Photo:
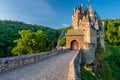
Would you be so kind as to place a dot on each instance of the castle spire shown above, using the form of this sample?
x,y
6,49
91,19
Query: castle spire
x,y
89,7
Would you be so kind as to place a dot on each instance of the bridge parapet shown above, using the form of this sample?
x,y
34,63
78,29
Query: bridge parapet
x,y
74,67
18,61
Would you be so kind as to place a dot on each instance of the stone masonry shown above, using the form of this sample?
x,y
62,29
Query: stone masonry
x,y
18,61
87,28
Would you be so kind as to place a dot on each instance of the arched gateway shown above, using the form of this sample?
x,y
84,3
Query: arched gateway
x,y
74,45
74,39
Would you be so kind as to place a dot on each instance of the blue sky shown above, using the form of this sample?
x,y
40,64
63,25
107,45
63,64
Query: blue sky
x,y
53,13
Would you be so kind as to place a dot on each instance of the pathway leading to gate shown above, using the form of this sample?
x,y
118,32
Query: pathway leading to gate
x,y
53,68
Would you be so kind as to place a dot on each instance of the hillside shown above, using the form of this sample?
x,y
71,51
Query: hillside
x,y
9,32
111,60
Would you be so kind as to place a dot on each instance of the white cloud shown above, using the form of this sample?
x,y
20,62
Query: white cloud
x,y
65,25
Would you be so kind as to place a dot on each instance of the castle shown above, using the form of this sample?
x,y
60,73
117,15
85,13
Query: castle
x,y
87,31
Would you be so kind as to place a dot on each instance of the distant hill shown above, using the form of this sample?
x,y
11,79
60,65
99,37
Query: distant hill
x,y
9,32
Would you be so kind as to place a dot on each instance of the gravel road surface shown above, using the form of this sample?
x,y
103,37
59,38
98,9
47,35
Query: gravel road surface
x,y
53,68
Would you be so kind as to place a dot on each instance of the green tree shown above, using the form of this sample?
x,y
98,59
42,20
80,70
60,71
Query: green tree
x,y
30,42
9,32
62,41
112,31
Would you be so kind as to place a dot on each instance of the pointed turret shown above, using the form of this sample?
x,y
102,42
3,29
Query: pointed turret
x,y
89,7
77,10
82,9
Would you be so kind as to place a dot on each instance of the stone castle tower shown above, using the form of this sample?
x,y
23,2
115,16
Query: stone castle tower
x,y
87,28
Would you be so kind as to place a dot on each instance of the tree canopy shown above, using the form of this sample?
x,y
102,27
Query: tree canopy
x,y
112,31
9,32
30,42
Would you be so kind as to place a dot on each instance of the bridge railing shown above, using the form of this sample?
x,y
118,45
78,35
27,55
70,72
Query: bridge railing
x,y
18,61
74,67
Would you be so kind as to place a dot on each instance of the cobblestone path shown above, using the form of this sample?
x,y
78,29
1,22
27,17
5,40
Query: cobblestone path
x,y
53,68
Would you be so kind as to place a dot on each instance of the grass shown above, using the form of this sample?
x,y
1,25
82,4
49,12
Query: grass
x,y
87,75
111,61
106,72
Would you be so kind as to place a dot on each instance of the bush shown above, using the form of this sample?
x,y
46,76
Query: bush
x,y
111,57
87,75
62,41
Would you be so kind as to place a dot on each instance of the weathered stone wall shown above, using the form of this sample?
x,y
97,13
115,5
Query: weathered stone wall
x,y
101,36
14,62
74,67
93,36
88,54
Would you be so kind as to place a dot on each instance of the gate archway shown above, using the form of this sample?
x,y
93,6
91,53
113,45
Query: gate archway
x,y
74,45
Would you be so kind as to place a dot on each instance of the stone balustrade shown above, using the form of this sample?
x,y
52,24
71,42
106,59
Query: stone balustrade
x,y
74,67
18,61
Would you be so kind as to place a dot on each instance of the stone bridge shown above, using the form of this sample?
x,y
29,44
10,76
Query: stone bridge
x,y
53,65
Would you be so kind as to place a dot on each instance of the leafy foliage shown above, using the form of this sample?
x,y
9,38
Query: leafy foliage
x,y
106,72
62,41
111,57
87,75
112,31
9,32
30,42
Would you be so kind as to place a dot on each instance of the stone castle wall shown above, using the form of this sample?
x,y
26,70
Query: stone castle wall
x,y
101,34
74,67
18,61
93,36
88,54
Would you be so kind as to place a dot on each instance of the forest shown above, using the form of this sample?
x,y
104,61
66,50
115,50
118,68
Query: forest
x,y
9,32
